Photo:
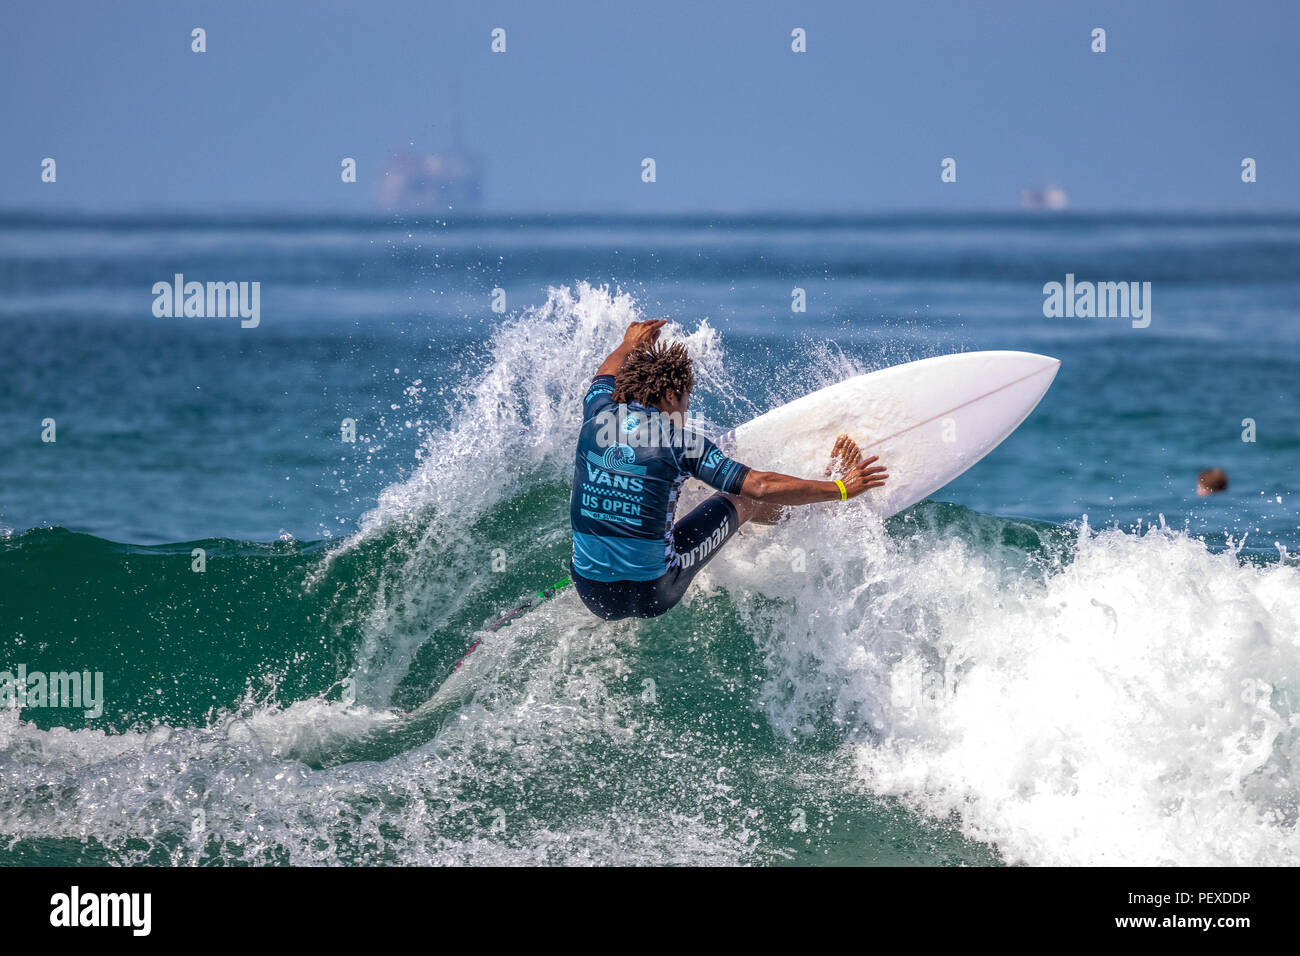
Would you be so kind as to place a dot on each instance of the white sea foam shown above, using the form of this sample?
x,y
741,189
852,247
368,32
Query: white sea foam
x,y
501,783
1134,705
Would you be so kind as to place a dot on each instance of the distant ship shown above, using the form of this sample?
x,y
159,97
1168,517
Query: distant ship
x,y
433,182
1049,197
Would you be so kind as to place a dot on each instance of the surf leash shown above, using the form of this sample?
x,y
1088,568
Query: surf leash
x,y
544,595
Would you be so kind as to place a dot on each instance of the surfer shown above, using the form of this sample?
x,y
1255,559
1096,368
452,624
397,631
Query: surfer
x,y
635,450
1211,481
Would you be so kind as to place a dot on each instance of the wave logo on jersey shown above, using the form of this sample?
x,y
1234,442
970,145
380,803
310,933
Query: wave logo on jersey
x,y
616,455
632,424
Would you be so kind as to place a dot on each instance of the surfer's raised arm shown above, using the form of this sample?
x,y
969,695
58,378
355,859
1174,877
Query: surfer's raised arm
x,y
639,335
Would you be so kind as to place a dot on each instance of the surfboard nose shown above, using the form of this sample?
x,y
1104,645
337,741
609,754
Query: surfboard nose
x,y
1026,364
1045,360
1007,367
1039,369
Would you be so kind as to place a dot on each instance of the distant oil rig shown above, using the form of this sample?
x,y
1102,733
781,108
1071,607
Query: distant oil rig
x,y
433,182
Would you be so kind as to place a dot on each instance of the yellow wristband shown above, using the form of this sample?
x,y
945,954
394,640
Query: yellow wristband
x,y
844,492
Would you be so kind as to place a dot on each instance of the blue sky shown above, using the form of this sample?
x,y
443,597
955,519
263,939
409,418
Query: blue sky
x,y
712,91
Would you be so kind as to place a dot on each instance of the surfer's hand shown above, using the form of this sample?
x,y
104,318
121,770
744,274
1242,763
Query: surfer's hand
x,y
642,335
639,335
863,477
844,455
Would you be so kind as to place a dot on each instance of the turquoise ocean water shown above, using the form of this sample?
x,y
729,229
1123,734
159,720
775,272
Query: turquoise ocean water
x,y
1064,657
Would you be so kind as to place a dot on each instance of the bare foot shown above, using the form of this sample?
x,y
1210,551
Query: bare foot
x,y
844,455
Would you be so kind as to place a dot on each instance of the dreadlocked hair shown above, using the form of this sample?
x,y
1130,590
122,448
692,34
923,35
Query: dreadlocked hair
x,y
650,374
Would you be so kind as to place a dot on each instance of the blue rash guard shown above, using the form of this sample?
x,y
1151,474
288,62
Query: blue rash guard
x,y
630,463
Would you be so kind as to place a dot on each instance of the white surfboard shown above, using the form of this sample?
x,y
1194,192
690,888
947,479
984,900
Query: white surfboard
x,y
928,421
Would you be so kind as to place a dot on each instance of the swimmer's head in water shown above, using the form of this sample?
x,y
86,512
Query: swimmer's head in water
x,y
1211,481
656,377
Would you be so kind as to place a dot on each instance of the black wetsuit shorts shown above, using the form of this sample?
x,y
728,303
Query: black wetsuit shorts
x,y
696,539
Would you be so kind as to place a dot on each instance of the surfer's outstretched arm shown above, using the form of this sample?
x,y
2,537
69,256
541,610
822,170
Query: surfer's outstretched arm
x,y
764,492
639,335
772,487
